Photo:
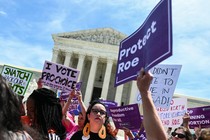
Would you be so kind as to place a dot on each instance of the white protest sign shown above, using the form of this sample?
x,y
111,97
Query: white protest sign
x,y
18,78
59,77
172,117
163,84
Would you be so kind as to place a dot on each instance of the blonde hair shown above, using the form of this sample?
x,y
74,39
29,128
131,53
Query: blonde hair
x,y
205,134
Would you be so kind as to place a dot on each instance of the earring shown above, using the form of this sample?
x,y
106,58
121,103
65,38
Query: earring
x,y
86,130
102,132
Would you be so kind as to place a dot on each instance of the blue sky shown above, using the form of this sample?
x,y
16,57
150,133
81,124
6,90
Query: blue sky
x,y
26,28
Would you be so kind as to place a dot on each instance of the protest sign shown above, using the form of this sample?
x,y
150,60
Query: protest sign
x,y
109,104
78,86
163,84
199,116
172,117
122,115
141,135
74,107
59,77
147,46
64,95
18,78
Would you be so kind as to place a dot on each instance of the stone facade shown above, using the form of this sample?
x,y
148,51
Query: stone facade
x,y
94,53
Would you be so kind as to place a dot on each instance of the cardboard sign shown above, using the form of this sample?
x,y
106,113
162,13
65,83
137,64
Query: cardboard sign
x,y
18,78
163,84
172,117
147,46
122,115
59,77
199,116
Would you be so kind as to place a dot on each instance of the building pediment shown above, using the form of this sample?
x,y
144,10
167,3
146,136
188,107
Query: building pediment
x,y
100,35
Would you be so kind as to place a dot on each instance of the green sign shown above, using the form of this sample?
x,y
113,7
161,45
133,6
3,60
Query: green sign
x,y
18,78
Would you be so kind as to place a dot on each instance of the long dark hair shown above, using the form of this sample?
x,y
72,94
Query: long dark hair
x,y
48,112
107,122
9,108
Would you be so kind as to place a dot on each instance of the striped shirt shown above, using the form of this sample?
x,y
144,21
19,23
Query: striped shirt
x,y
20,135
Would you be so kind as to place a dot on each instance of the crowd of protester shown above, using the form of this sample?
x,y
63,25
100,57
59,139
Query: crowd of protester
x,y
46,117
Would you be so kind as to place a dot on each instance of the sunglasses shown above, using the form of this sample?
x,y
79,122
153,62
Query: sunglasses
x,y
95,111
178,134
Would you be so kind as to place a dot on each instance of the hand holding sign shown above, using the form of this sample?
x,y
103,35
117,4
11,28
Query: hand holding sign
x,y
186,118
152,122
72,94
143,81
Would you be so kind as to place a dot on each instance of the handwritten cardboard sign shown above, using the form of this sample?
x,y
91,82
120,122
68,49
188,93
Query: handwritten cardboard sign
x,y
199,116
172,117
147,46
18,78
163,84
59,77
122,115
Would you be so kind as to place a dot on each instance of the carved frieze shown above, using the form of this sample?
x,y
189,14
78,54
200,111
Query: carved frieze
x,y
104,35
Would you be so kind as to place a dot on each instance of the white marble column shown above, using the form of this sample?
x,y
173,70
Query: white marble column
x,y
133,92
107,77
55,55
67,59
91,79
80,65
118,95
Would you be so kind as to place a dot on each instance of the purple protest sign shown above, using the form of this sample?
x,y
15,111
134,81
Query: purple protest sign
x,y
74,107
78,86
64,95
199,116
109,104
59,77
141,135
147,46
122,115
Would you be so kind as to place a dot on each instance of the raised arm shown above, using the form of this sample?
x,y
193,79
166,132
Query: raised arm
x,y
81,103
186,119
128,133
66,105
152,123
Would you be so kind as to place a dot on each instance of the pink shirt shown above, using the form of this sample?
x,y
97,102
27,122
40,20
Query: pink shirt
x,y
70,125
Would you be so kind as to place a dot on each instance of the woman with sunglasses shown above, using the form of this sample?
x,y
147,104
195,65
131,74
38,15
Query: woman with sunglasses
x,y
181,133
96,123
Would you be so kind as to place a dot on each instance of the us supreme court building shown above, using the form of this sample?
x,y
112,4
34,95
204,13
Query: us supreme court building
x,y
94,53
